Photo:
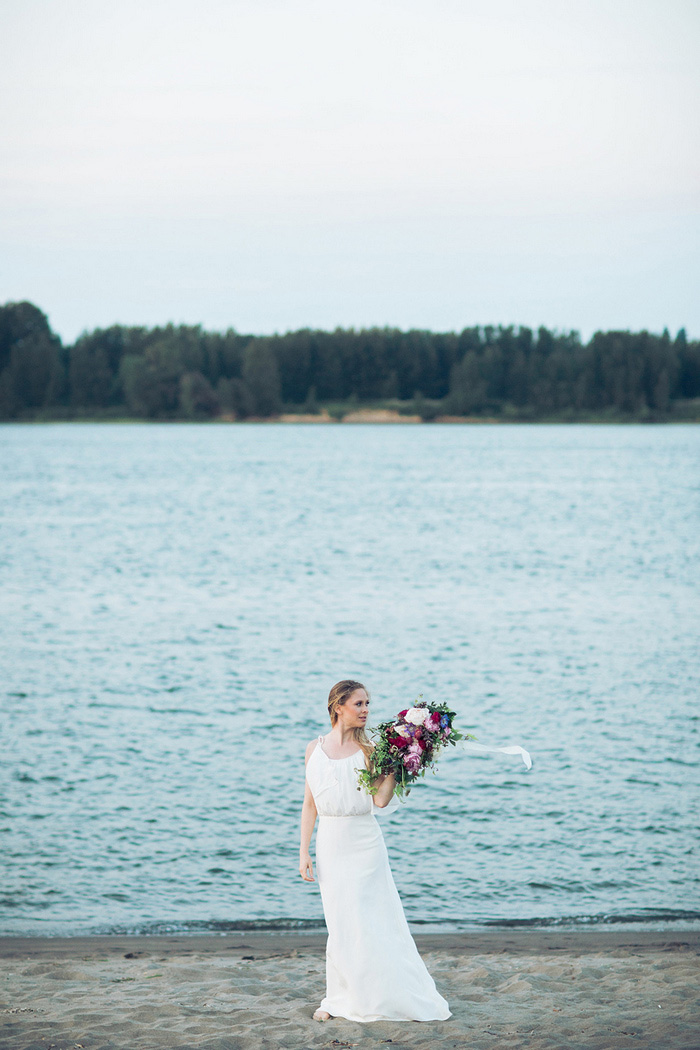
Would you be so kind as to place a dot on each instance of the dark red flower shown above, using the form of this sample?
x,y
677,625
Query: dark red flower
x,y
402,714
397,741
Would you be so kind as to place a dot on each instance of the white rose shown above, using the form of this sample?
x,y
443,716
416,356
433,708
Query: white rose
x,y
417,715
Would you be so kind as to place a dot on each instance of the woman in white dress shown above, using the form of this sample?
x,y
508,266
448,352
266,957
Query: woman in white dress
x,y
373,969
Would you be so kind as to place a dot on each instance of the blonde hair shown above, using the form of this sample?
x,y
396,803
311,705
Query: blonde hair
x,y
337,697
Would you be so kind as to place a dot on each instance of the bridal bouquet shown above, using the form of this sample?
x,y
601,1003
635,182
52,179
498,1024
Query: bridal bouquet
x,y
409,745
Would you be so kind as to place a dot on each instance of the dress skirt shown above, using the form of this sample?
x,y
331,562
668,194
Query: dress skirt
x,y
373,969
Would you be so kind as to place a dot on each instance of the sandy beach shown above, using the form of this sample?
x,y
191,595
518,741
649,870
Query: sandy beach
x,y
592,989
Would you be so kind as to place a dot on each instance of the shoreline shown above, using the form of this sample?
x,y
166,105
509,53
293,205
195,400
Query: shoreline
x,y
473,942
301,420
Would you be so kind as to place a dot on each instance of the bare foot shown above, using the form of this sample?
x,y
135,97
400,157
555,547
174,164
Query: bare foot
x,y
321,1015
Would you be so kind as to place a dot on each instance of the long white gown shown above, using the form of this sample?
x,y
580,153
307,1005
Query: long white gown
x,y
373,969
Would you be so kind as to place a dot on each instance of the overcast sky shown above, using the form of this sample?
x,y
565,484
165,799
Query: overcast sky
x,y
269,165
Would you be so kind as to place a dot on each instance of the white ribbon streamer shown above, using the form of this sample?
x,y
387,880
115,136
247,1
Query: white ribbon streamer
x,y
509,749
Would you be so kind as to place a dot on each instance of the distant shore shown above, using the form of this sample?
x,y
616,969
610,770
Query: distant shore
x,y
357,417
595,989
511,372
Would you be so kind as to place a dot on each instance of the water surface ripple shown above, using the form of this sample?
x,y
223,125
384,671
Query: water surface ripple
x,y
177,600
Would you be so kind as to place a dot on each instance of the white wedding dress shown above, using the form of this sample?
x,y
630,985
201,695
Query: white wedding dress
x,y
373,969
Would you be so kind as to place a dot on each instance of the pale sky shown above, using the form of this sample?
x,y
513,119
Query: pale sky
x,y
269,165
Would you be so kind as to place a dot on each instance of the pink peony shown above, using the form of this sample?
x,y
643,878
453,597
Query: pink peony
x,y
411,760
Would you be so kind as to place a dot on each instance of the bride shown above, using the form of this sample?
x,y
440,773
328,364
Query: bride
x,y
373,969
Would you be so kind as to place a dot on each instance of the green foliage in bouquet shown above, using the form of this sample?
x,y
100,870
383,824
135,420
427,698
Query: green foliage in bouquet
x,y
409,745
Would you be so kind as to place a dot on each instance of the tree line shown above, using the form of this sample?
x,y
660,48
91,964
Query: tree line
x,y
185,372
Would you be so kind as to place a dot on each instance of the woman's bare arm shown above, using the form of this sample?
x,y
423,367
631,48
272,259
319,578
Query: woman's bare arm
x,y
385,791
308,819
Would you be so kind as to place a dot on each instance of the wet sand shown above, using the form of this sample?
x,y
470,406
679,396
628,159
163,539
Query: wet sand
x,y
555,990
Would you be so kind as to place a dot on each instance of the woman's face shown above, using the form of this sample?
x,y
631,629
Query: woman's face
x,y
353,713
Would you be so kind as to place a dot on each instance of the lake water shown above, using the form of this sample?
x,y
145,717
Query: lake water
x,y
177,600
